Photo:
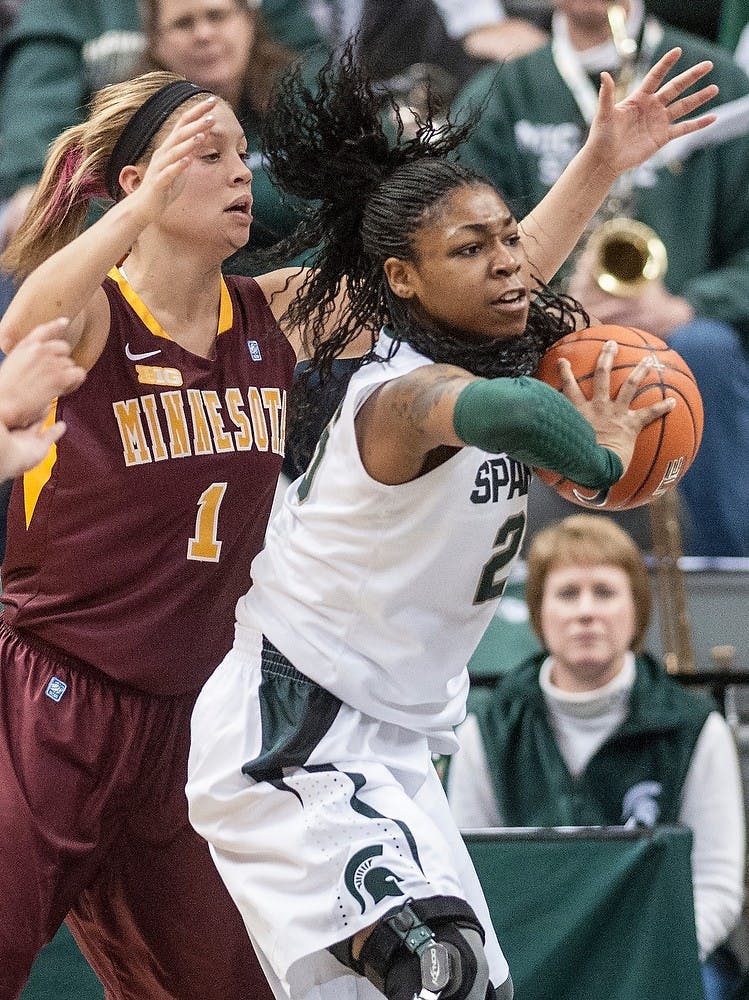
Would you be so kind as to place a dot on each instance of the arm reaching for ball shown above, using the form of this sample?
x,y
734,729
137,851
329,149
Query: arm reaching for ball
x,y
589,442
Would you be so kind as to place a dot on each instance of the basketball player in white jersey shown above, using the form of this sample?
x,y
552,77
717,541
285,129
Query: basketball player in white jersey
x,y
310,767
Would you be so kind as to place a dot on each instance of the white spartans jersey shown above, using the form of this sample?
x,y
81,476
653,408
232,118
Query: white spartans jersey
x,y
381,593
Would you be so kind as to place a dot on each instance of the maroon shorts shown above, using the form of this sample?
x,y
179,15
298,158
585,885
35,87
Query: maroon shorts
x,y
93,826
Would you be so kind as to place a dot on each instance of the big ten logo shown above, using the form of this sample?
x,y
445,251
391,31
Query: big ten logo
x,y
500,478
152,375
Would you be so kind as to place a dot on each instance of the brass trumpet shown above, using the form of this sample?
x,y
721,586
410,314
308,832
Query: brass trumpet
x,y
625,255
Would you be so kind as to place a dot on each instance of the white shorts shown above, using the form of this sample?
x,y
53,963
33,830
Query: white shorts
x,y
337,819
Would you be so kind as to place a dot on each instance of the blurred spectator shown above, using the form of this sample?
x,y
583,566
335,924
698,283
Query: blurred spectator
x,y
695,198
9,11
54,58
224,45
594,732
453,35
403,42
51,58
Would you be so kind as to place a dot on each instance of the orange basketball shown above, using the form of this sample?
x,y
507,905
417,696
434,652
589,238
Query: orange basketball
x,y
664,449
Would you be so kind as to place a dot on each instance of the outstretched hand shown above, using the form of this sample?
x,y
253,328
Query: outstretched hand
x,y
37,370
615,424
24,448
626,134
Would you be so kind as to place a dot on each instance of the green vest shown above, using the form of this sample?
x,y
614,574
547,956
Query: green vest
x,y
638,773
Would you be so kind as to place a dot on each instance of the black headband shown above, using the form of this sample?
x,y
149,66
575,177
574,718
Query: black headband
x,y
144,125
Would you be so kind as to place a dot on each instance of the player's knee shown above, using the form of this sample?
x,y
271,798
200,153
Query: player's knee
x,y
435,944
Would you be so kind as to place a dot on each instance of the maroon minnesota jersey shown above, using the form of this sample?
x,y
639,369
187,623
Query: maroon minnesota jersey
x,y
129,546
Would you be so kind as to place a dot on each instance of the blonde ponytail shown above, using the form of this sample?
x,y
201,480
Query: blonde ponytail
x,y
74,174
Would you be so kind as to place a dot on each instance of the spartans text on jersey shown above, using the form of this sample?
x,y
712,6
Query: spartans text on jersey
x,y
500,478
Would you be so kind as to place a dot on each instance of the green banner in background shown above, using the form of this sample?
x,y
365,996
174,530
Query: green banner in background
x,y
593,914
585,914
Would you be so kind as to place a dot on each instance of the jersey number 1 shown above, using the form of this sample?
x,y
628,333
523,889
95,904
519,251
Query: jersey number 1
x,y
205,546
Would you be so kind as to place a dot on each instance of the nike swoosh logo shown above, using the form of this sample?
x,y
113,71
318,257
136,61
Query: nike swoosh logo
x,y
139,357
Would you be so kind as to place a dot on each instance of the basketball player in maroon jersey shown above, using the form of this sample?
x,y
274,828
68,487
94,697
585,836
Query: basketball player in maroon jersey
x,y
130,543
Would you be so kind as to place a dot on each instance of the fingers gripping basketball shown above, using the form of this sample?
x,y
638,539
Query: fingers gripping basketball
x,y
664,449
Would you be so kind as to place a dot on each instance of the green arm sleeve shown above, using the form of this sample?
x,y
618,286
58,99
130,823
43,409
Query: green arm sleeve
x,y
536,425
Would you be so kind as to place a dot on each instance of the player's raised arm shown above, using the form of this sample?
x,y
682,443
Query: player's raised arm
x,y
622,135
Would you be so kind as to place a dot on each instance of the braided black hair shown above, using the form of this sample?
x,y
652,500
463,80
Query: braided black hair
x,y
369,189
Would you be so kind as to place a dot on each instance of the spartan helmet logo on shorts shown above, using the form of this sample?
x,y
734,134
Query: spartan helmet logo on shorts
x,y
361,874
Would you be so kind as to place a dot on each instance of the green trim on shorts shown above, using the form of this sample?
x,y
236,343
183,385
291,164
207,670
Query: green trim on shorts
x,y
295,715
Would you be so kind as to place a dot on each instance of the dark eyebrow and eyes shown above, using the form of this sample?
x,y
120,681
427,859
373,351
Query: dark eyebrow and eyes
x,y
483,227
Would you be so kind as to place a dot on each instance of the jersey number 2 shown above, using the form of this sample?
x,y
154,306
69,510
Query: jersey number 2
x,y
205,546
506,546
